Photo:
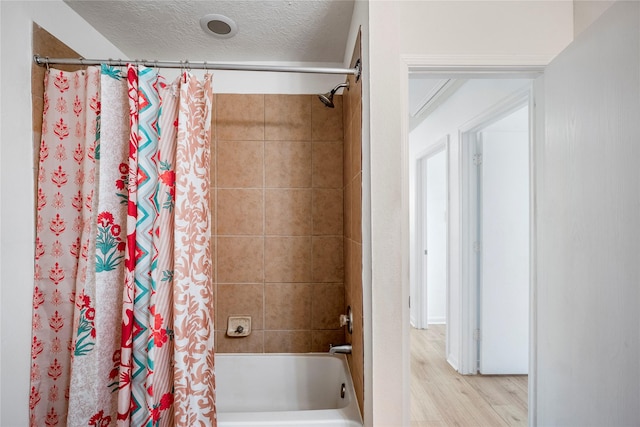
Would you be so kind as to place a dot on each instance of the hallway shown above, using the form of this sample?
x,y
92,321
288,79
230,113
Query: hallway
x,y
440,397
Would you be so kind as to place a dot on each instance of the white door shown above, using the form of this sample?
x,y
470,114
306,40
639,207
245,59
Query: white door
x,y
429,299
436,237
504,245
588,228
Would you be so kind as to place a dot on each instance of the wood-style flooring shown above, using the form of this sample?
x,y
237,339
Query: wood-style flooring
x,y
441,397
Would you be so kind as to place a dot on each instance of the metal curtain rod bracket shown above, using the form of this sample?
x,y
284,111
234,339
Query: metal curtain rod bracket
x,y
46,61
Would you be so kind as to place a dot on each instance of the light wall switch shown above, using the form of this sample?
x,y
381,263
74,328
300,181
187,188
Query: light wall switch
x,y
238,326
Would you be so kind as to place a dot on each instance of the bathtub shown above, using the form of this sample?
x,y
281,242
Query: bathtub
x,y
285,390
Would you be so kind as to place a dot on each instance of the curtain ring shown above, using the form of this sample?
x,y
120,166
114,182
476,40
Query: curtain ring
x,y
46,64
185,69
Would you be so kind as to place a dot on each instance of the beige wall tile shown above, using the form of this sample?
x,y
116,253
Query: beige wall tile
x,y
326,123
321,340
287,117
213,160
287,306
214,130
213,247
353,208
288,212
356,271
348,210
346,150
357,336
356,98
240,211
287,164
240,299
240,164
240,117
356,145
346,106
357,374
327,305
348,275
240,259
356,209
37,107
287,341
327,164
288,259
37,78
327,211
254,343
328,261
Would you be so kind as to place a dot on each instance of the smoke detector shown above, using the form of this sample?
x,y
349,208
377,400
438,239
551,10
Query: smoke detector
x,y
219,26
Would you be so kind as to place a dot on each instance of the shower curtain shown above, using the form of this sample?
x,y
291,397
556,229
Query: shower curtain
x,y
123,299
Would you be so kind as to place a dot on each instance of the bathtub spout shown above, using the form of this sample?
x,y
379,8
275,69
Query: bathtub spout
x,y
343,348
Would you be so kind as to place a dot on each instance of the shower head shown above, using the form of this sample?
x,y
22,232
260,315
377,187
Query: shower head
x,y
327,98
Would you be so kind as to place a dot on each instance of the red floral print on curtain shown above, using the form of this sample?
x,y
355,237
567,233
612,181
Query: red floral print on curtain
x,y
123,299
92,400
64,211
126,341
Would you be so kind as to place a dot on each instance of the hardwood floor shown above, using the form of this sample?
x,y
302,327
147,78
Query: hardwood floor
x,y
440,397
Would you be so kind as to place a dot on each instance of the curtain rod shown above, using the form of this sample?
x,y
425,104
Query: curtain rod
x,y
45,61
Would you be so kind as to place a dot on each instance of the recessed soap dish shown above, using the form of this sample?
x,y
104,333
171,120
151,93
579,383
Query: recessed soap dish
x,y
238,326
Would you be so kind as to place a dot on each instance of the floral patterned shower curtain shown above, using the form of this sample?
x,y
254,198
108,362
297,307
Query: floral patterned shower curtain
x,y
123,299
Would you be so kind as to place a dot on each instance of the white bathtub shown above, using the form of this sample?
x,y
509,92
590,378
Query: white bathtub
x,y
284,390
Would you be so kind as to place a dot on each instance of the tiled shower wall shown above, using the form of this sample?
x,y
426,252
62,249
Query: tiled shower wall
x,y
277,177
286,243
352,119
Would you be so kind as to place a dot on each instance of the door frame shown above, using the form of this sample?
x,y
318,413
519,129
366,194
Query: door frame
x,y
421,306
497,66
469,206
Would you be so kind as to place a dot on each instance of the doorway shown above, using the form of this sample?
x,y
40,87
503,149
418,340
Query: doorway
x,y
432,204
472,119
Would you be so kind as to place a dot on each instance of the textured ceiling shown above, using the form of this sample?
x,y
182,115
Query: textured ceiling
x,y
272,30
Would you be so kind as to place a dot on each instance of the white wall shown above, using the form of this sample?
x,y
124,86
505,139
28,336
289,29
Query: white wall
x,y
589,228
271,83
400,32
473,99
16,180
585,12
